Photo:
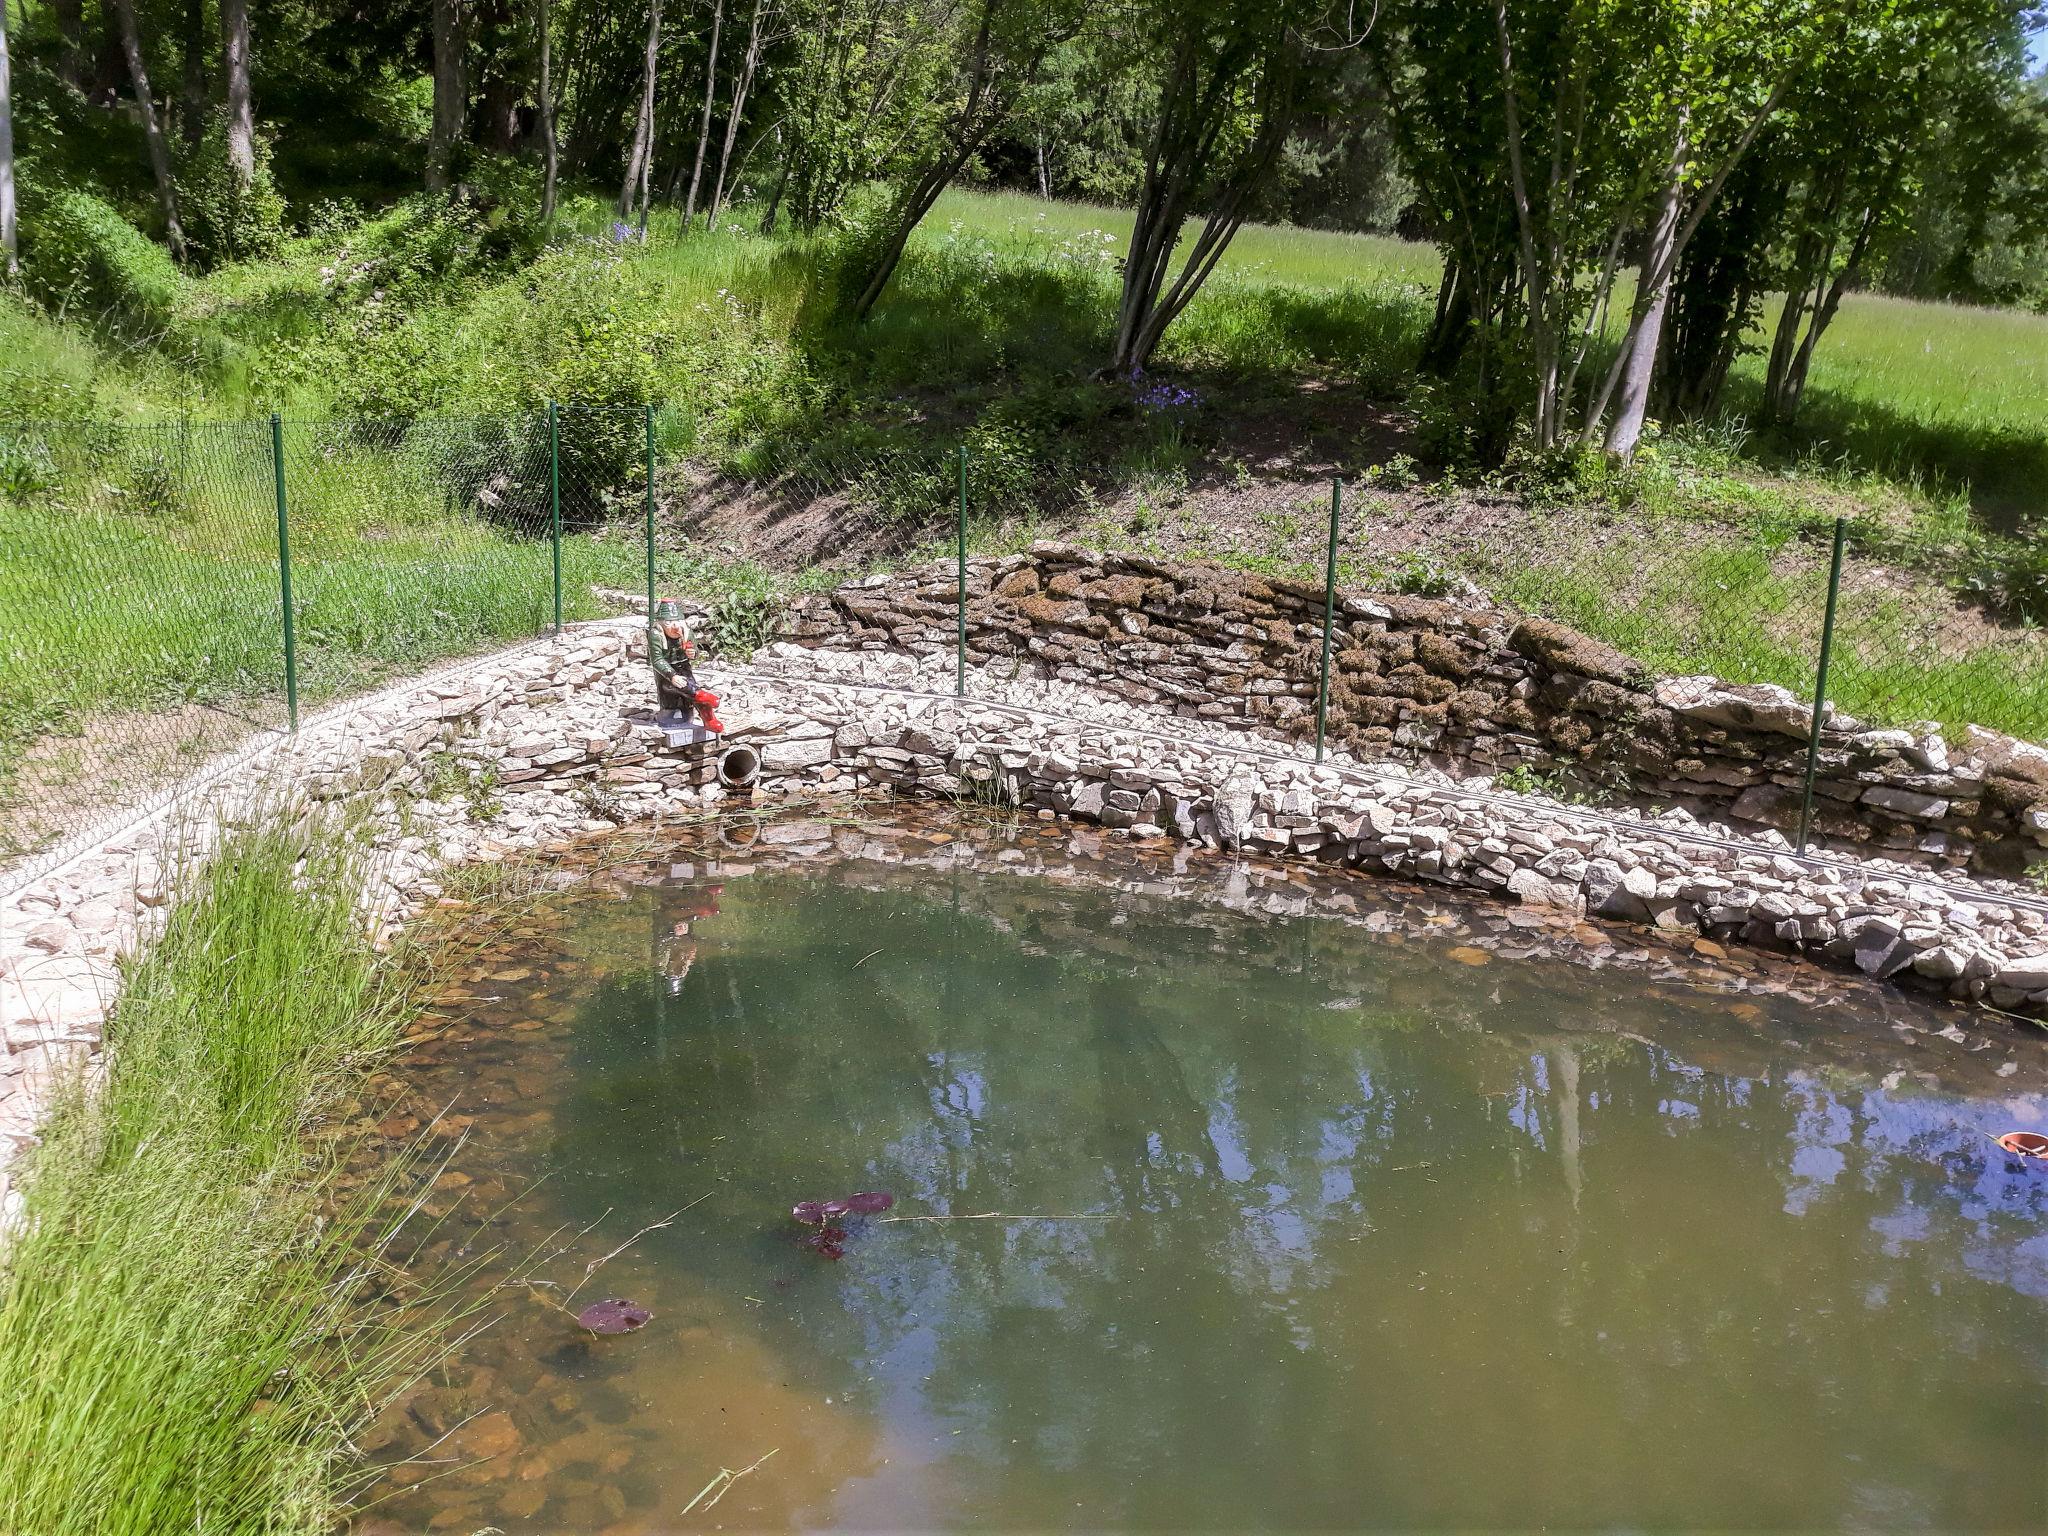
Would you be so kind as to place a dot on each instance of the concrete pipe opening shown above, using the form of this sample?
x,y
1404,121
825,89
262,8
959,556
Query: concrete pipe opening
x,y
739,767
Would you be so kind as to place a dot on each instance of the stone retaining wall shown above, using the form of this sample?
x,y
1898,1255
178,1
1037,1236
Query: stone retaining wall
x,y
1443,683
558,741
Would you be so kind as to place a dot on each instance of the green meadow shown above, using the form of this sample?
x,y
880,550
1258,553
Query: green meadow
x,y
412,358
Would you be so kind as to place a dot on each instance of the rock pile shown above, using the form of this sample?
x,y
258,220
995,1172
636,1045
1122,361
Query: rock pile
x,y
1474,689
1128,722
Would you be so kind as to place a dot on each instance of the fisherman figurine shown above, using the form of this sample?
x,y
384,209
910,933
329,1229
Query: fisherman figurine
x,y
670,650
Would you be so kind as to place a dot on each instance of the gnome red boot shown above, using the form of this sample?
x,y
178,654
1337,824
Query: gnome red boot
x,y
707,710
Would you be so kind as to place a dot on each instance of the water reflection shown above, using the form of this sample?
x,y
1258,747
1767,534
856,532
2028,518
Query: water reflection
x,y
1483,1244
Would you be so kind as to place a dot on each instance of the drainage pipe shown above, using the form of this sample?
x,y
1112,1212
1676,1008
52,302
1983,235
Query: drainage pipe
x,y
739,767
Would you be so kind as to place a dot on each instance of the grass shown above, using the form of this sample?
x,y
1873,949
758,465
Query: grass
x,y
139,565
191,1328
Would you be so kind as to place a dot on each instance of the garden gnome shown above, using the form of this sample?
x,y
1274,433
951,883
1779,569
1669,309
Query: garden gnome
x,y
675,680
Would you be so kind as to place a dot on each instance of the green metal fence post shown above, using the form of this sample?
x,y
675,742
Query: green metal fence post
x,y
555,502
650,514
1820,686
960,610
284,573
1329,615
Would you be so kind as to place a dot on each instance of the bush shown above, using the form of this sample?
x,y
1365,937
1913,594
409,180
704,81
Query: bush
x,y
225,220
79,254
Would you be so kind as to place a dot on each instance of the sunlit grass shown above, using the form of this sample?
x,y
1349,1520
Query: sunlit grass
x,y
188,1339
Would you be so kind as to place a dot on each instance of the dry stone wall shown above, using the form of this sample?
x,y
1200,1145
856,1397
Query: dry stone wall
x,y
1459,686
558,740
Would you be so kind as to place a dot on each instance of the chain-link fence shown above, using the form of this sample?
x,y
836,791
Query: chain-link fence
x,y
169,592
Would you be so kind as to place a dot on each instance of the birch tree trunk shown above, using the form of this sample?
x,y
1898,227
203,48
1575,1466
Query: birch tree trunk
x,y
1660,260
10,246
550,145
152,127
640,160
704,122
451,91
234,63
742,88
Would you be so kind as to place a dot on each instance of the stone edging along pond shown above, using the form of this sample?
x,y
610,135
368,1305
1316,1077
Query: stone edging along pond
x,y
1464,686
556,740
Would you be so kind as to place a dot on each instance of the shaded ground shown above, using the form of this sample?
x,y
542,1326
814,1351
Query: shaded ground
x,y
59,784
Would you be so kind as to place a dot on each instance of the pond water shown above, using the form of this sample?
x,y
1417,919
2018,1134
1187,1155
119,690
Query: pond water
x,y
1416,1218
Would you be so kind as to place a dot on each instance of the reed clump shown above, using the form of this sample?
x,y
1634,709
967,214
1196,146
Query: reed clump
x,y
197,1309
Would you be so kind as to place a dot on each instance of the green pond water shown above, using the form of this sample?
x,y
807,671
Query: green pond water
x,y
1360,1228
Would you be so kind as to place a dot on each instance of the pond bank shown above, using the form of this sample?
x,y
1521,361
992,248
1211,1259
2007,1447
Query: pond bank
x,y
556,739
195,1312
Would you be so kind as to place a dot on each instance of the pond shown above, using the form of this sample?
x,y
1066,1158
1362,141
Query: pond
x,y
1207,1213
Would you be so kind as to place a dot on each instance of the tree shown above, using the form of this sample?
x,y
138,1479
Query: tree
x,y
858,89
152,127
551,148
1000,44
451,89
1578,129
1866,129
192,95
71,42
1230,79
10,244
241,121
735,111
704,122
640,159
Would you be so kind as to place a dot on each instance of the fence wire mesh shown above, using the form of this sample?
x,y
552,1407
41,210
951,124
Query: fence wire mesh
x,y
143,612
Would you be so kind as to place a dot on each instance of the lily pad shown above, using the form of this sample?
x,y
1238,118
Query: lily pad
x,y
615,1315
869,1202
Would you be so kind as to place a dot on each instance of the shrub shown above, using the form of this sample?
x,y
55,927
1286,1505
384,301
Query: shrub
x,y
225,220
79,254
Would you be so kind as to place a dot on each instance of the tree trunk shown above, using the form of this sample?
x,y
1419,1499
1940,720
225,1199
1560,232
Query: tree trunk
x,y
742,87
1658,263
234,63
1792,388
905,215
451,90
550,145
1044,185
10,245
704,121
71,42
640,161
192,100
152,128
1179,163
775,197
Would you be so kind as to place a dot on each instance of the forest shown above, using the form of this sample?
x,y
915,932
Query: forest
x,y
1617,190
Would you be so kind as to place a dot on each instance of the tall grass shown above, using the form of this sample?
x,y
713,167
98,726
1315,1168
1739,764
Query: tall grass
x,y
188,1339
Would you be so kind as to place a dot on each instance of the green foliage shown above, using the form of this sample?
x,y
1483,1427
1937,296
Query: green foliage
x,y
224,219
80,257
188,1336
746,604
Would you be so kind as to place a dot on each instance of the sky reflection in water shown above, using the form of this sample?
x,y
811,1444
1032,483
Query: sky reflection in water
x,y
1386,1239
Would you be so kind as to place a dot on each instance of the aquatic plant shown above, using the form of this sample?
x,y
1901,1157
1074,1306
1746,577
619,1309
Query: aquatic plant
x,y
195,1320
829,1240
614,1315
